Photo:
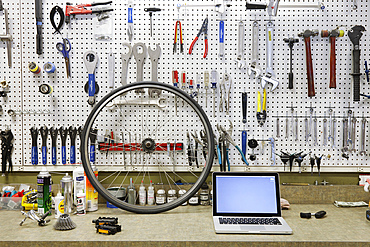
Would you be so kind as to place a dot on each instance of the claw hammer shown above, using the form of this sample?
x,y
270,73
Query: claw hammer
x,y
307,40
333,34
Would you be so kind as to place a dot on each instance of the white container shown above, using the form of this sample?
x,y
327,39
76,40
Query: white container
x,y
151,194
142,194
79,182
59,205
161,197
81,203
171,195
181,193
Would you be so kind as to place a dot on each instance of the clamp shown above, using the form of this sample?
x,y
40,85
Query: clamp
x,y
203,29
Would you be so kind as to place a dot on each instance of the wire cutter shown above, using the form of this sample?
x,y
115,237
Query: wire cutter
x,y
81,10
64,48
261,113
203,29
175,40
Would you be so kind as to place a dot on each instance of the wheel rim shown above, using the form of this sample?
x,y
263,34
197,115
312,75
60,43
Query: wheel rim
x,y
151,153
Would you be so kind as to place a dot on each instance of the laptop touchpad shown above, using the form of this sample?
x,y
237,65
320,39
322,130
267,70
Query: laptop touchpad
x,y
252,228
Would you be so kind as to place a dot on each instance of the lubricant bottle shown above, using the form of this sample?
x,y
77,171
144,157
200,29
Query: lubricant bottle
x,y
171,195
204,195
142,194
181,193
161,197
131,193
44,183
78,182
59,205
91,193
81,203
67,188
151,194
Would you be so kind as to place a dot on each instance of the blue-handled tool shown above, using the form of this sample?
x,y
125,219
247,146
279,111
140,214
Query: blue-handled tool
x,y
366,71
34,151
72,131
54,137
91,60
244,132
44,137
64,48
63,132
92,135
221,34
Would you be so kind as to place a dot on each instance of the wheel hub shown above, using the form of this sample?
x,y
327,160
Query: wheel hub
x,y
148,145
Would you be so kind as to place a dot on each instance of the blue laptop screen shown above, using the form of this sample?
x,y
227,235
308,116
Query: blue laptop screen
x,y
246,194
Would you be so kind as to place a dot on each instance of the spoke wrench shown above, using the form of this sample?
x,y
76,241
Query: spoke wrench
x,y
91,87
139,58
154,56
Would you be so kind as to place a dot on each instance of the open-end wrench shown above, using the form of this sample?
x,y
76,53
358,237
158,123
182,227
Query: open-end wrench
x,y
139,58
154,56
34,151
363,136
254,68
63,132
91,60
240,56
72,131
269,50
125,60
44,137
54,136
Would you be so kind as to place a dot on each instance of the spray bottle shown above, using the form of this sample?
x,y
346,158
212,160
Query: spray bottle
x,y
131,193
91,193
151,194
44,183
142,194
79,182
67,188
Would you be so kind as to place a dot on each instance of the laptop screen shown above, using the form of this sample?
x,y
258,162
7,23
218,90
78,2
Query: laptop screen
x,y
246,194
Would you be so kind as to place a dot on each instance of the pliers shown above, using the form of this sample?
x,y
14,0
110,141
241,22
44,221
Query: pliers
x,y
175,40
6,148
261,113
225,88
190,150
203,29
197,141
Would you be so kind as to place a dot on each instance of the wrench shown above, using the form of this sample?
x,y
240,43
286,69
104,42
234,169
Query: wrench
x,y
240,58
139,58
353,131
254,68
154,56
272,143
269,49
363,136
91,60
160,102
125,60
345,135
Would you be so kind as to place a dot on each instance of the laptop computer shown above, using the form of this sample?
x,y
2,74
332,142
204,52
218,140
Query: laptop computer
x,y
245,202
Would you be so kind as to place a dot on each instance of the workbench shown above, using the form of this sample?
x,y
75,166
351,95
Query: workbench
x,y
190,226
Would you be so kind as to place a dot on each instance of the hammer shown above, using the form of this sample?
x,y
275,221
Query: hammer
x,y
291,42
307,40
333,34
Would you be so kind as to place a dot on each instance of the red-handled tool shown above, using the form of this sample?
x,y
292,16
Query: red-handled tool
x,y
310,78
333,34
203,29
81,10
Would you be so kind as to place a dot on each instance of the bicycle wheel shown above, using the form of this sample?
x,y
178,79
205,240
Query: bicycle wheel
x,y
130,134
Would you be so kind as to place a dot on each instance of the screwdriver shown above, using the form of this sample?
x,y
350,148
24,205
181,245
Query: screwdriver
x,y
183,83
197,77
244,132
214,83
175,81
206,84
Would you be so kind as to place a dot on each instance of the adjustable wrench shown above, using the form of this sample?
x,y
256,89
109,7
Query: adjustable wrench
x,y
91,60
270,75
154,56
240,58
125,60
139,58
254,68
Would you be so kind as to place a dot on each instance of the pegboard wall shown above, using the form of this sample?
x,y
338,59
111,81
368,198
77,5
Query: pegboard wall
x,y
67,105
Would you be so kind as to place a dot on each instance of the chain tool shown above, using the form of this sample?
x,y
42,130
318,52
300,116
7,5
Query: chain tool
x,y
363,136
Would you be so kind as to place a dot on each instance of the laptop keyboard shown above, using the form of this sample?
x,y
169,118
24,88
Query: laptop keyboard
x,y
250,221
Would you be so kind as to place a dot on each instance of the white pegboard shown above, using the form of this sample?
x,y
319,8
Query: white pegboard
x,y
68,103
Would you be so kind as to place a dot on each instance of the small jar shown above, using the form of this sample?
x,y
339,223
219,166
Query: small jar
x,y
161,197
171,195
204,195
181,193
194,200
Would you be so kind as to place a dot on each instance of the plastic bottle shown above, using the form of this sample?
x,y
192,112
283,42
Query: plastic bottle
x,y
151,194
91,193
78,182
81,203
204,195
181,193
44,183
194,200
131,193
66,183
161,197
142,194
171,195
59,205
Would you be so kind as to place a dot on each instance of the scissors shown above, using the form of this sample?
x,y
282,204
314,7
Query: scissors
x,y
64,48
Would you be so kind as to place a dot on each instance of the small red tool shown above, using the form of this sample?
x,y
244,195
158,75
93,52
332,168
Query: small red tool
x,y
81,10
203,29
